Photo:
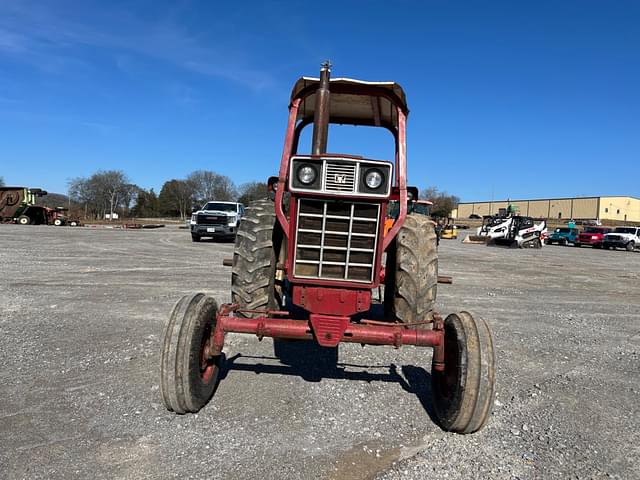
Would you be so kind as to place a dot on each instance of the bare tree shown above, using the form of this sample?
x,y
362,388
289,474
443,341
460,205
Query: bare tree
x,y
443,203
210,185
252,191
80,191
102,193
177,197
112,186
1,181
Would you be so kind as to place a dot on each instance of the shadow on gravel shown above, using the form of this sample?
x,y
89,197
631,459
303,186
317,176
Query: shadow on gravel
x,y
312,362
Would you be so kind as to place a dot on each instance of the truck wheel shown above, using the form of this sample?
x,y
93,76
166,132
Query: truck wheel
x,y
630,246
57,222
187,376
253,274
411,280
195,238
463,394
24,220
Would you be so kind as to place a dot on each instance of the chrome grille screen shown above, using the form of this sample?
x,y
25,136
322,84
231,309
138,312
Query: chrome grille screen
x,y
340,177
336,240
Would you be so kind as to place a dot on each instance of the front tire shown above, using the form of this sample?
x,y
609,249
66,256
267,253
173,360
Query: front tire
x,y
195,238
253,277
24,220
411,281
188,377
463,394
57,222
630,246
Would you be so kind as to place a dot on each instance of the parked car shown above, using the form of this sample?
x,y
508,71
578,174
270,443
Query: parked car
x,y
562,236
622,237
592,236
475,216
216,220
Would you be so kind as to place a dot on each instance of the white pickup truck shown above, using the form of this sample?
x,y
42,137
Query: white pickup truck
x,y
216,220
622,237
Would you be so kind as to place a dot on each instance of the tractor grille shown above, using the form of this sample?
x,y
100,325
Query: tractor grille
x,y
340,177
204,219
336,240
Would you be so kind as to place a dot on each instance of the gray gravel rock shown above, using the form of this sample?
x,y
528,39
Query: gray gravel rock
x,y
81,314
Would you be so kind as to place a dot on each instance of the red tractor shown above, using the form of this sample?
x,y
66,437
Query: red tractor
x,y
307,260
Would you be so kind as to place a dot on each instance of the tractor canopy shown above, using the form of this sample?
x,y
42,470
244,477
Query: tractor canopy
x,y
353,102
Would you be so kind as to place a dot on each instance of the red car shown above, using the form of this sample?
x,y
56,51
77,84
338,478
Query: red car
x,y
592,236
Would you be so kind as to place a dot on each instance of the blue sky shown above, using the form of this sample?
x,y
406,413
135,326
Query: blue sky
x,y
508,99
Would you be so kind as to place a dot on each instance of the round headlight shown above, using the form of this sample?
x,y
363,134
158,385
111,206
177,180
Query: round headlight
x,y
306,174
373,179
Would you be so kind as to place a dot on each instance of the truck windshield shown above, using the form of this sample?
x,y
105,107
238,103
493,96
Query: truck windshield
x,y
625,230
562,230
422,209
222,207
594,230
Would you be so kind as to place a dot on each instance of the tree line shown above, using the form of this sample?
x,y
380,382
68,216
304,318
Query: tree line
x,y
111,191
443,202
108,192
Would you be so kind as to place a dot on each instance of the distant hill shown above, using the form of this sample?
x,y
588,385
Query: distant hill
x,y
53,200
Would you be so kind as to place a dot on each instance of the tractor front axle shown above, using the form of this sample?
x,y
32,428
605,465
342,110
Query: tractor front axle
x,y
327,331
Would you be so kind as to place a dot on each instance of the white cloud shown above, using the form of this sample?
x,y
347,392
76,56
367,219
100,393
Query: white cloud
x,y
32,34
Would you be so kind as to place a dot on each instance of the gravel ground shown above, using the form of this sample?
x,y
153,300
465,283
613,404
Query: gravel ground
x,y
81,317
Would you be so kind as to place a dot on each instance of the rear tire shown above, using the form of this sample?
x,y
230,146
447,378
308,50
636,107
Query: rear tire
x,y
187,377
253,278
195,238
57,222
411,281
463,395
24,220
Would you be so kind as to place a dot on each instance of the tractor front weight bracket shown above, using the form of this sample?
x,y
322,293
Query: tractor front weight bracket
x,y
327,330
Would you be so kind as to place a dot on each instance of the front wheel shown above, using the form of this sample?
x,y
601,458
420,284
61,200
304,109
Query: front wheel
x,y
195,238
24,220
57,222
253,277
188,376
463,394
411,280
630,246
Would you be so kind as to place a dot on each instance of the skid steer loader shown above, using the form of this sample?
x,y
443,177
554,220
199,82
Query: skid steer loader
x,y
511,231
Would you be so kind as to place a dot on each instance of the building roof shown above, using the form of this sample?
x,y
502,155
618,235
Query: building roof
x,y
548,199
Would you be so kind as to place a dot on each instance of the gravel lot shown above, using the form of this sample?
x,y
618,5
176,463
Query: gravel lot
x,y
81,313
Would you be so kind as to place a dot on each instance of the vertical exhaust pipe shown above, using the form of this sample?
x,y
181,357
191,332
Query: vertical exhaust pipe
x,y
321,113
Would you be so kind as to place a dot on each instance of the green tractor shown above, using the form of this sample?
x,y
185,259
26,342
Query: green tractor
x,y
18,205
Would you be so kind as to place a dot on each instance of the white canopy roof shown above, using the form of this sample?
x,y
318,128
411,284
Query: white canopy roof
x,y
353,101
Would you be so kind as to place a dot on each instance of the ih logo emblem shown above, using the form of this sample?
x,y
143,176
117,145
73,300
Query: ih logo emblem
x,y
340,179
